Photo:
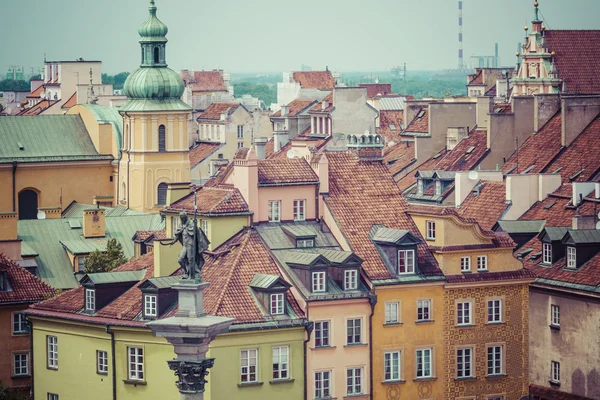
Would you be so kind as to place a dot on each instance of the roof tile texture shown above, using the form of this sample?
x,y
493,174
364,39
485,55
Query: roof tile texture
x,y
212,200
204,81
296,107
377,89
419,124
25,287
215,110
285,170
487,206
322,80
201,152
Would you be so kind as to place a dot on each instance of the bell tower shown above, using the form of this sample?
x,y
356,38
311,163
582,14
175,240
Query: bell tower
x,y
155,120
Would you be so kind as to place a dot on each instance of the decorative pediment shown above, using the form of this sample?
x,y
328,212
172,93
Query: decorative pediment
x,y
268,282
393,237
304,260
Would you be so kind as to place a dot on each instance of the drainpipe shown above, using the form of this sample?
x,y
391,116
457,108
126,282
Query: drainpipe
x,y
128,161
31,392
114,363
309,329
372,302
14,182
317,188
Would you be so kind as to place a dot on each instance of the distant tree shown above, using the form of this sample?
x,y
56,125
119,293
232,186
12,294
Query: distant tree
x,y
8,85
118,80
105,261
35,78
264,92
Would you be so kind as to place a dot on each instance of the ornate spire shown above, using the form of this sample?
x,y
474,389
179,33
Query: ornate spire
x,y
537,11
152,8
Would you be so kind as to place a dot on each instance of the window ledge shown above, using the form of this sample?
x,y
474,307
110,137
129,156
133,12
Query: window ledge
x,y
278,381
496,323
134,382
356,345
494,376
428,378
466,272
101,373
20,376
465,325
393,382
322,347
51,368
554,327
483,270
354,396
20,333
554,383
424,321
392,324
465,378
249,384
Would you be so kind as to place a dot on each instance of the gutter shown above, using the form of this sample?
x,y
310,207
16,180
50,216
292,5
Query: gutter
x,y
14,185
114,363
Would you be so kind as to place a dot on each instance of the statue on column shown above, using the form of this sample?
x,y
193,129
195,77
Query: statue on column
x,y
194,243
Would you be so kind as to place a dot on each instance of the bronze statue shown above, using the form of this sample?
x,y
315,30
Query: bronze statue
x,y
194,243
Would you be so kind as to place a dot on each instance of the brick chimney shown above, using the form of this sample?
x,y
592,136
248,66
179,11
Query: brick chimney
x,y
94,223
584,222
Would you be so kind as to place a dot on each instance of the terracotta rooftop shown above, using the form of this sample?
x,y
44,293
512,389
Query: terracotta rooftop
x,y
477,79
390,124
215,110
491,91
377,89
429,165
269,148
37,93
399,156
363,194
24,287
545,393
419,124
319,106
201,151
467,154
38,108
486,203
577,57
212,201
491,276
285,171
145,235
296,107
322,80
317,143
204,81
71,102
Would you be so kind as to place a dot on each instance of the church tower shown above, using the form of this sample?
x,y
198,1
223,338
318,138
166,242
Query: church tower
x,y
155,119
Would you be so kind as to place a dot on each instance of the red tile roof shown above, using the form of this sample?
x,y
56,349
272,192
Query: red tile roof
x,y
539,149
363,194
377,89
142,236
317,143
204,81
25,287
201,151
459,158
429,165
269,148
419,124
215,110
557,209
212,201
399,156
477,79
322,80
389,119
71,102
37,93
491,91
486,207
296,107
285,171
491,276
544,393
577,58
319,106
38,108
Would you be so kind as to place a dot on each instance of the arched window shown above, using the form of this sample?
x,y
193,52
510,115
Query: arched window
x,y
162,194
156,55
162,144
28,204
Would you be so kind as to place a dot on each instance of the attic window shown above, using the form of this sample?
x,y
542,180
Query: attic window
x,y
303,243
557,170
549,205
576,175
75,224
21,147
438,188
406,261
276,301
392,127
571,257
437,156
3,281
90,300
528,170
150,306
318,282
350,279
420,115
470,149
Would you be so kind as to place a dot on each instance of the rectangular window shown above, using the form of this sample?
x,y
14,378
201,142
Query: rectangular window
x,y
90,300
391,366
303,243
482,263
318,282
322,334
547,250
322,384
353,329
463,363
204,226
249,365
420,186
19,324
150,305
354,381
277,303
406,261
430,230
21,364
299,210
274,210
555,371
135,366
52,396
495,398
52,351
494,358
424,310
424,363
465,264
81,264
554,315
240,131
350,279
392,313
240,145
464,313
281,362
571,257
494,310
102,362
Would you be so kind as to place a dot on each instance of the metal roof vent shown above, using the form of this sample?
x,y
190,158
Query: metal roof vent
x,y
21,147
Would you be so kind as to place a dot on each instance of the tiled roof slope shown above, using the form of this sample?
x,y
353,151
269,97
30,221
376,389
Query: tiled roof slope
x,y
212,201
322,80
390,124
46,138
71,102
539,149
201,151
296,107
576,58
459,158
419,124
477,79
204,81
319,106
317,143
399,156
362,195
487,206
557,209
215,110
24,286
545,393
285,171
377,89
428,165
38,108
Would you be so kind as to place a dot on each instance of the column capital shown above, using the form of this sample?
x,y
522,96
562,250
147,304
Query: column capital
x,y
191,374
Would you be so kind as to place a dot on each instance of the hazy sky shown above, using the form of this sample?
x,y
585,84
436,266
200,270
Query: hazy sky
x,y
267,35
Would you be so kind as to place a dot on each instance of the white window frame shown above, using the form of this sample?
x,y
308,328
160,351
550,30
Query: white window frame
x,y
21,364
392,372
135,363
204,226
571,257
52,396
354,331
19,326
493,316
101,362
52,352
420,186
305,243
425,306
409,255
350,279
554,371
354,381
248,359
554,315
90,299
150,305
392,312
464,362
274,210
322,384
240,131
318,280
322,333
547,253
281,362
467,318
465,264
299,210
276,303
430,230
482,263
426,355
496,358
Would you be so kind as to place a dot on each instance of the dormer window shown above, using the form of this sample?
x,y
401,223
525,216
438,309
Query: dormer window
x,y
350,279
318,281
406,261
547,253
3,281
438,188
420,186
571,257
302,243
430,230
150,306
90,300
276,303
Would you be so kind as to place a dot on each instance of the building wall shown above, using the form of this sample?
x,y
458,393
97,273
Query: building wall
x,y
406,338
287,195
576,345
352,115
102,135
10,344
220,229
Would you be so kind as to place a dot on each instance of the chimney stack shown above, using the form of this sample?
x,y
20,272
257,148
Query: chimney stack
x,y
261,147
94,223
285,110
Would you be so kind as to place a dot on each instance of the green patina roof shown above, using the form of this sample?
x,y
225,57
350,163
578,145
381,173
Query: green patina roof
x,y
75,210
380,233
335,256
139,105
522,226
46,138
108,115
44,237
114,277
585,236
300,257
27,250
153,29
275,237
263,281
555,233
84,246
299,231
165,282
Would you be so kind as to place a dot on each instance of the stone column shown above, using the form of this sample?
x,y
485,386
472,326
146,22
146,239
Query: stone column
x,y
190,331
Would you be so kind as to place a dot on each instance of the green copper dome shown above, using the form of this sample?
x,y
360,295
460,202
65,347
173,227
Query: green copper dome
x,y
153,30
153,83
